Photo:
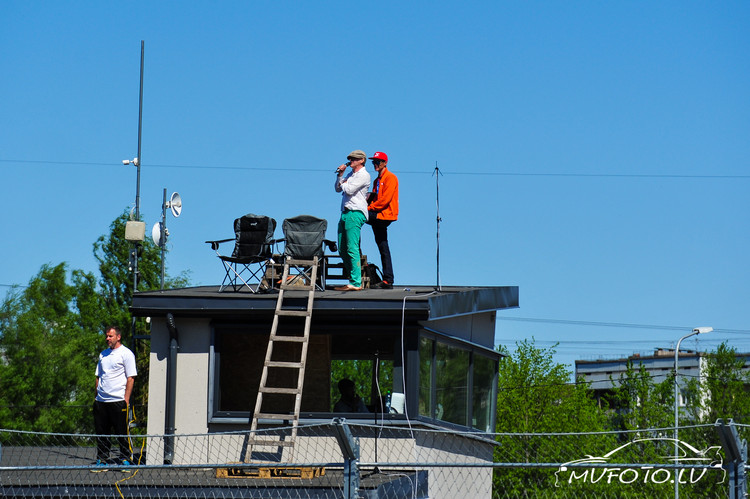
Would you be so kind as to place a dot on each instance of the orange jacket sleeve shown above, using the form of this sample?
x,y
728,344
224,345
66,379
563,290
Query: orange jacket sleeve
x,y
386,204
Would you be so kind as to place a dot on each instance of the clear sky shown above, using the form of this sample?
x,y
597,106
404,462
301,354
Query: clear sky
x,y
595,154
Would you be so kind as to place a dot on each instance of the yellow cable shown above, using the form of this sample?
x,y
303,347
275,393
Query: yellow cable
x,y
130,410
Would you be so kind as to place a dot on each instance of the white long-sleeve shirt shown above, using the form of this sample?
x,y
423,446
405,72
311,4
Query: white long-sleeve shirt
x,y
354,188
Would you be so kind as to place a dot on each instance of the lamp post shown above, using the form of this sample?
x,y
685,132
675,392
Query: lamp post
x,y
698,330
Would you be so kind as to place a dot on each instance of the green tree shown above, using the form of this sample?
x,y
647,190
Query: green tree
x,y
51,333
114,255
360,372
641,403
46,377
722,387
719,393
535,396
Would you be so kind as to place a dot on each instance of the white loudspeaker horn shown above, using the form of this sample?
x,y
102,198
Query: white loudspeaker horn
x,y
156,234
175,204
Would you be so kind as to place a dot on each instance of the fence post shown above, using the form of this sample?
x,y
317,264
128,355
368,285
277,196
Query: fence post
x,y
735,450
350,450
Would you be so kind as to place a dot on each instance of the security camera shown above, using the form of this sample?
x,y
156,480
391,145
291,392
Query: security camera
x,y
703,330
125,161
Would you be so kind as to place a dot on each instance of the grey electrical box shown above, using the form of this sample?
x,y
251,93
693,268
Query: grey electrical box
x,y
135,231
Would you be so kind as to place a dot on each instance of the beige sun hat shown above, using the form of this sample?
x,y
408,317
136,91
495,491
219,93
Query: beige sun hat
x,y
357,154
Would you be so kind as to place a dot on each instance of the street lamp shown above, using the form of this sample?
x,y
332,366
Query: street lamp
x,y
698,330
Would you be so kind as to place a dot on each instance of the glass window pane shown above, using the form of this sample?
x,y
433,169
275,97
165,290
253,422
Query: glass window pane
x,y
425,377
360,371
452,372
482,405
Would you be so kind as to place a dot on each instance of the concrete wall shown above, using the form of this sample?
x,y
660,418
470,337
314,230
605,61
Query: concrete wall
x,y
194,444
191,414
660,368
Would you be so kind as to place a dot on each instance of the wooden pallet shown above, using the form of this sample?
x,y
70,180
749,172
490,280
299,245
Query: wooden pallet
x,y
300,472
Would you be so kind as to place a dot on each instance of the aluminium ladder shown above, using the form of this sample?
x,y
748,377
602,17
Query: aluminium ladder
x,y
307,284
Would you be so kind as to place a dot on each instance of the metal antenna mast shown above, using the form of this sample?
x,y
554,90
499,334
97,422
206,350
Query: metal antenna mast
x,y
138,184
437,174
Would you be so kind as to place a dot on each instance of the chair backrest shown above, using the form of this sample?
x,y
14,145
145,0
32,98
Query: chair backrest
x,y
253,236
304,236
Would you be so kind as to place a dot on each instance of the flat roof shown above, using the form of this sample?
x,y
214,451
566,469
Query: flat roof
x,y
669,355
420,302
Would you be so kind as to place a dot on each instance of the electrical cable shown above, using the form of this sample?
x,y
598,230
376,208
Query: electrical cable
x,y
406,172
403,363
130,414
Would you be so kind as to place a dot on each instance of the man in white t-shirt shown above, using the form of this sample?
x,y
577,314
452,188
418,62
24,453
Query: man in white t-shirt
x,y
115,376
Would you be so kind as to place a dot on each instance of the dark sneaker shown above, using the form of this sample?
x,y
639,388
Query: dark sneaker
x,y
383,285
99,467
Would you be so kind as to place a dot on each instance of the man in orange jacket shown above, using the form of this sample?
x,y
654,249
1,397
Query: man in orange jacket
x,y
383,209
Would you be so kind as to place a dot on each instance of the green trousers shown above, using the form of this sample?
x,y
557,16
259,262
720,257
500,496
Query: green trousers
x,y
350,229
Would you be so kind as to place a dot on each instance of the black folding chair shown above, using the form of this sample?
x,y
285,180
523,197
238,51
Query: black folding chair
x,y
253,247
304,238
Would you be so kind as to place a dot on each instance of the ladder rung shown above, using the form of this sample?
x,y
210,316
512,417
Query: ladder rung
x,y
271,443
293,313
293,261
290,365
288,391
270,415
299,339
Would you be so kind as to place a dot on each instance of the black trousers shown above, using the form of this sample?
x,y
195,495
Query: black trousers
x,y
111,418
380,230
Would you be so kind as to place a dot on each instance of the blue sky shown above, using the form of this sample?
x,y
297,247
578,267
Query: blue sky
x,y
594,154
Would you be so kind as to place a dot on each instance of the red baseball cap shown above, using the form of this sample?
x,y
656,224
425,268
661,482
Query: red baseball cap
x,y
380,155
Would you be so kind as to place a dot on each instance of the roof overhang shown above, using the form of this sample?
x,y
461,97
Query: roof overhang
x,y
415,302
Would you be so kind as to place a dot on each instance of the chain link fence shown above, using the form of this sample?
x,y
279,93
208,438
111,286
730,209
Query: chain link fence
x,y
343,459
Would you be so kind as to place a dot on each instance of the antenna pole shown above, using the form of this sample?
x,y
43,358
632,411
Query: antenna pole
x,y
140,129
437,174
163,235
138,185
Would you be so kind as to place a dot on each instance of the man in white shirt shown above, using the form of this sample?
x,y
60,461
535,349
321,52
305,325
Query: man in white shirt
x,y
353,216
115,376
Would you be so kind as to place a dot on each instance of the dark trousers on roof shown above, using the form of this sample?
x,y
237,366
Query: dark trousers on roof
x,y
380,230
111,418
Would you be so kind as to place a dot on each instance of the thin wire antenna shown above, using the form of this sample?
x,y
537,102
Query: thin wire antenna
x,y
437,173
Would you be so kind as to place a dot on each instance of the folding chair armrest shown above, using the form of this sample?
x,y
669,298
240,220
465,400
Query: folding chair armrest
x,y
331,245
215,244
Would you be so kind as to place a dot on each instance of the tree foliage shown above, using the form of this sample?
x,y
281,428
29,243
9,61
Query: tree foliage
x,y
360,372
535,395
722,388
638,401
51,333
114,255
48,354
